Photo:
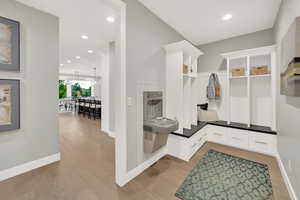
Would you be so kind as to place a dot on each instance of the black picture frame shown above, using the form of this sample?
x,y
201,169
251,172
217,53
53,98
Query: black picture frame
x,y
14,59
14,123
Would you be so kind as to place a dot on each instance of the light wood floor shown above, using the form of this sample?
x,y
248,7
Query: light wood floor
x,y
86,171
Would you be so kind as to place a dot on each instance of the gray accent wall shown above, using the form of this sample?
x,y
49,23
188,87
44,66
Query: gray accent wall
x,y
288,113
146,36
38,135
212,60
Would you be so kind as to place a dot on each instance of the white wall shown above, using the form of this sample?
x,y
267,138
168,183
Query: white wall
x,y
97,89
105,103
38,136
69,90
112,89
109,88
221,105
288,107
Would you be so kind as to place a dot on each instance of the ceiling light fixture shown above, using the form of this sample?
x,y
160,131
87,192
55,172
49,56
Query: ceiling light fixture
x,y
77,57
90,51
227,17
110,19
68,61
61,65
85,37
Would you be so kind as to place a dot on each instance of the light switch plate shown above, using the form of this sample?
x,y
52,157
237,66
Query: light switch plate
x,y
130,101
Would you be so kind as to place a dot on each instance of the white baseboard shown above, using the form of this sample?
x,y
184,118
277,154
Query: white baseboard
x,y
20,169
142,167
286,179
109,133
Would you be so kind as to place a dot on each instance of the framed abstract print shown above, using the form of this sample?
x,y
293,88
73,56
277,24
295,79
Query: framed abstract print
x,y
9,105
9,45
290,61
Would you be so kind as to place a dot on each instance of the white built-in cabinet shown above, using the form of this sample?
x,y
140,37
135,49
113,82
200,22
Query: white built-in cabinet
x,y
181,90
251,98
185,148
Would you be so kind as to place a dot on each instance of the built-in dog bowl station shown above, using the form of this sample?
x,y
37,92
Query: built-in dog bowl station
x,y
156,127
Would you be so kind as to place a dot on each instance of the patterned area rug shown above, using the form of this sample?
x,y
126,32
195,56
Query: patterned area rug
x,y
219,176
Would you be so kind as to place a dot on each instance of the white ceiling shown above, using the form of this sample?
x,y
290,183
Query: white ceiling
x,y
80,17
200,21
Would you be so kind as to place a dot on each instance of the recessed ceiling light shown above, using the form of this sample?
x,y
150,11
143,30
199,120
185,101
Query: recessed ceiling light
x,y
227,17
110,19
85,37
61,65
77,57
68,61
90,51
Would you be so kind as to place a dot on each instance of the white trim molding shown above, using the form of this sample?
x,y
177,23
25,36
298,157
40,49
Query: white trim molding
x,y
287,181
26,167
111,134
207,74
121,99
142,167
250,52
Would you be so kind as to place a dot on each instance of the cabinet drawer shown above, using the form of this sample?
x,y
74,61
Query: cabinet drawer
x,y
202,139
205,132
218,134
262,143
238,138
195,138
194,143
192,140
189,150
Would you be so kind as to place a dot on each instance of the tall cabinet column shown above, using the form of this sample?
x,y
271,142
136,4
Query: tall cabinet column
x,y
181,73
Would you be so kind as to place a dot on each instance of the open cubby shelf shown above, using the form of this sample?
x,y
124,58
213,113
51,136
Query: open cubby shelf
x,y
237,77
251,97
181,91
263,75
251,76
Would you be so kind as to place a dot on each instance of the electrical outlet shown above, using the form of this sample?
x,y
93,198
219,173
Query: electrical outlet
x,y
290,165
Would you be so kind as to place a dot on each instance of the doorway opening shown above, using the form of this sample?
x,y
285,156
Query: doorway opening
x,y
91,73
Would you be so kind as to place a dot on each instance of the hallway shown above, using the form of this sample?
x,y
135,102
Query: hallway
x,y
86,171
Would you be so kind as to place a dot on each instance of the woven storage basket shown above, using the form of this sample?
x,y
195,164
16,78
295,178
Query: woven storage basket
x,y
185,69
238,71
259,70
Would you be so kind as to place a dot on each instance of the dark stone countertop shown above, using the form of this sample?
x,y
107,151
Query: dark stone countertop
x,y
187,133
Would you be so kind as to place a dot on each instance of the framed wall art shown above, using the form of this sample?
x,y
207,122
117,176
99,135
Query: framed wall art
x,y
9,44
9,105
290,61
